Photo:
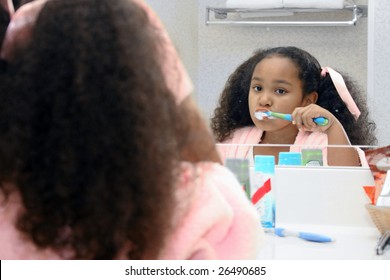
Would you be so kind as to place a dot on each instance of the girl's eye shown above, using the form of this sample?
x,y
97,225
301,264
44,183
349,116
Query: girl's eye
x,y
257,88
280,91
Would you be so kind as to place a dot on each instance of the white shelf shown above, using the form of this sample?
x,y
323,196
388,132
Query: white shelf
x,y
285,16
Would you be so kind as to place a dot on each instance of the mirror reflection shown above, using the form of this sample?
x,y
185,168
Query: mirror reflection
x,y
282,95
214,52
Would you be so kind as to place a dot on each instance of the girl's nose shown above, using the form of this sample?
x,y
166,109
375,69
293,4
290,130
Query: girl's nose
x,y
265,99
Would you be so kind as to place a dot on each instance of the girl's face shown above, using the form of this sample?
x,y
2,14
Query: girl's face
x,y
275,86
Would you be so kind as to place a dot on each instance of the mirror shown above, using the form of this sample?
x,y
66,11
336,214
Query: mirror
x,y
212,52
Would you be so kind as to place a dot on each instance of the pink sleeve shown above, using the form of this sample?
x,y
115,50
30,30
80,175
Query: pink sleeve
x,y
240,142
214,219
8,6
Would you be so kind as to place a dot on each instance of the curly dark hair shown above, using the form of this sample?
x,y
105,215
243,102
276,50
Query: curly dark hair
x,y
232,111
90,134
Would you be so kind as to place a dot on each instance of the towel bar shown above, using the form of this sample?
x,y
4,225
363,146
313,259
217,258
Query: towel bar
x,y
221,15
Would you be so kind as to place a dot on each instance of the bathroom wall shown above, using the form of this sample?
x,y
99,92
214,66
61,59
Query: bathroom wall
x,y
212,52
378,66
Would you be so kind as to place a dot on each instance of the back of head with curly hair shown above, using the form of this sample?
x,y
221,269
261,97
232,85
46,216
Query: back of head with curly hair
x,y
87,131
232,111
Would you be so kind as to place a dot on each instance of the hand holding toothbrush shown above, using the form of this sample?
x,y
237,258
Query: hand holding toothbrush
x,y
304,118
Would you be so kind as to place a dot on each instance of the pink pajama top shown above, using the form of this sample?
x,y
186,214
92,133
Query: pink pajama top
x,y
240,144
213,220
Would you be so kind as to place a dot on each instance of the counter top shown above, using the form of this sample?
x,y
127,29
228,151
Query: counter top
x,y
350,243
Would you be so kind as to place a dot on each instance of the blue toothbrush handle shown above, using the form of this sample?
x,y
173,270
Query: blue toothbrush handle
x,y
321,121
288,117
314,237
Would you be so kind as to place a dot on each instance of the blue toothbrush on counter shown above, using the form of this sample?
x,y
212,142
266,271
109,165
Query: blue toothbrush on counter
x,y
314,237
321,121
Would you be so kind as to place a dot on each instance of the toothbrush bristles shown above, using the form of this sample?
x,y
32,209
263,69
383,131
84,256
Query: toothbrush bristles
x,y
261,115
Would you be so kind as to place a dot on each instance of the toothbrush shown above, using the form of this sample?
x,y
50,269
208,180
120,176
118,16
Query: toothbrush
x,y
321,121
314,237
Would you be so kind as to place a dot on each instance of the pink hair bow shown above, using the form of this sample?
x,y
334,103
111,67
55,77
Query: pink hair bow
x,y
341,88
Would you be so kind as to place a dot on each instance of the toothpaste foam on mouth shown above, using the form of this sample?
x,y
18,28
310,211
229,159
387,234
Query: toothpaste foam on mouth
x,y
260,115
